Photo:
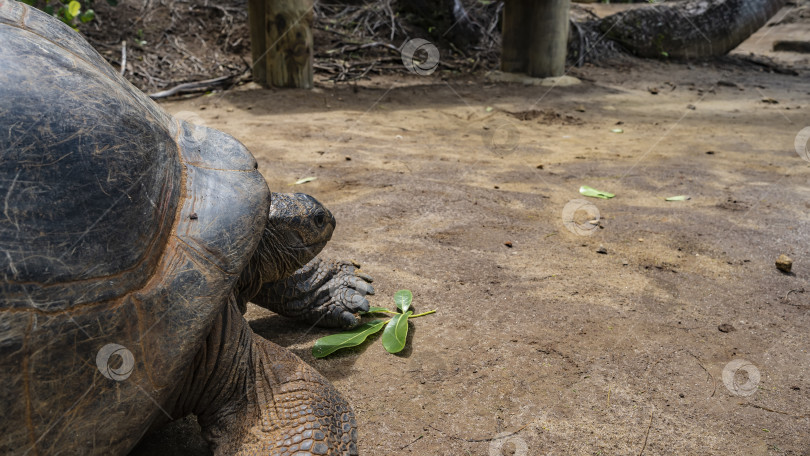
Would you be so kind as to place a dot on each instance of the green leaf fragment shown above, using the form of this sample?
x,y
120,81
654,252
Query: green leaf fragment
x,y
679,198
377,309
396,333
73,8
329,344
590,191
403,299
305,180
617,130
87,16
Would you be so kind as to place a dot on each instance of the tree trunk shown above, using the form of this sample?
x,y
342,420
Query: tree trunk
x,y
281,42
535,37
690,30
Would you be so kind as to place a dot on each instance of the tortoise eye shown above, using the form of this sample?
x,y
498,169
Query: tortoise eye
x,y
319,219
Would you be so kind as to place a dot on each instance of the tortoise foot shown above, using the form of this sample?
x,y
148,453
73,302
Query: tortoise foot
x,y
325,293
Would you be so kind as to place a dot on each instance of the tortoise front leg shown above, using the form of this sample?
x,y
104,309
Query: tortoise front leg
x,y
326,293
253,397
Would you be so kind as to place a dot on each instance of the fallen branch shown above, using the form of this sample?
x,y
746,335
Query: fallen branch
x,y
193,87
764,62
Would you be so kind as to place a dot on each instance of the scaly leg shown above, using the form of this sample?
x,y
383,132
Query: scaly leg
x,y
253,397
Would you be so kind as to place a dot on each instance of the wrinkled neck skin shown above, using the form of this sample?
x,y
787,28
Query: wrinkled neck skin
x,y
296,230
279,254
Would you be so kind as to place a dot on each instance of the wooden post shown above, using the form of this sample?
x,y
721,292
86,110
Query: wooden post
x,y
535,37
281,42
550,38
516,36
258,46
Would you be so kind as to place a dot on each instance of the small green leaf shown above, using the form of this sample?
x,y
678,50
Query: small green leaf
x,y
377,309
679,198
396,333
87,16
305,180
329,344
489,109
403,299
617,130
590,191
74,7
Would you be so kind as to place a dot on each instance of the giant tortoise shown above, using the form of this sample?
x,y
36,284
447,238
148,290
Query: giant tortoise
x,y
131,242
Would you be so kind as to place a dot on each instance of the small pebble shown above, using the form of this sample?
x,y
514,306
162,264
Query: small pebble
x,y
508,244
784,263
725,328
193,216
602,250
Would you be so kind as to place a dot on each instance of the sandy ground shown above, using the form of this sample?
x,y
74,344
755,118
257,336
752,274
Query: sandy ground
x,y
547,346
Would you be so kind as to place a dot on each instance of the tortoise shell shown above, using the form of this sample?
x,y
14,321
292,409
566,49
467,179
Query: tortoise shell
x,y
122,231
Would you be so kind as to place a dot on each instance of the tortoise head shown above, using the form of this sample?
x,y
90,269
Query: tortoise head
x,y
298,227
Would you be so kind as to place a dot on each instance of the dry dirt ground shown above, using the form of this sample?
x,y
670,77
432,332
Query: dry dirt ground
x,y
547,346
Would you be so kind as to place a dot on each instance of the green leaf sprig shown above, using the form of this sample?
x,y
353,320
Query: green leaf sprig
x,y
394,336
